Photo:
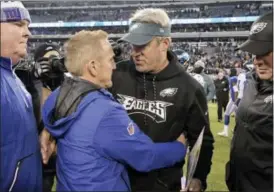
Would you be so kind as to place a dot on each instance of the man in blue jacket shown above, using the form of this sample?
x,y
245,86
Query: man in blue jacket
x,y
20,157
95,138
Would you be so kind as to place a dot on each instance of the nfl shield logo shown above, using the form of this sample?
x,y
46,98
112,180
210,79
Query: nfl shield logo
x,y
131,129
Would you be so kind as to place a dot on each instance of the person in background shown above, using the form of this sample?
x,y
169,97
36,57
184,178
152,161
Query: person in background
x,y
53,76
184,60
20,157
238,65
23,70
233,101
208,85
222,93
250,165
50,80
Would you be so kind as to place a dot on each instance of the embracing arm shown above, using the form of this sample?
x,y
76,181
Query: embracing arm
x,y
120,139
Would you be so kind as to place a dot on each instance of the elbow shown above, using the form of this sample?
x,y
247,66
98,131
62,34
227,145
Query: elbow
x,y
144,169
144,161
143,166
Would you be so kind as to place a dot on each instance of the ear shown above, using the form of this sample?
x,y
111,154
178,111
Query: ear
x,y
92,68
166,44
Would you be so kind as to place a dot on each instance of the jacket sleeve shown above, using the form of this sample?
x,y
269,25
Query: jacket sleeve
x,y
120,139
211,89
227,83
196,120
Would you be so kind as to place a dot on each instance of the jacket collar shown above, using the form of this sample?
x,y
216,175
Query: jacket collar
x,y
6,63
262,86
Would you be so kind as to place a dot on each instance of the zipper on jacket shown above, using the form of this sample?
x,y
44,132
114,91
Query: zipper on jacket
x,y
19,86
129,188
15,176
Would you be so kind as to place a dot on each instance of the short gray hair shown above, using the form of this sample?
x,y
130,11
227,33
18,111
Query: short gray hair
x,y
152,15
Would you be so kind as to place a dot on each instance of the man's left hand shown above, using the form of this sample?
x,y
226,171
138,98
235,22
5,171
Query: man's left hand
x,y
195,185
48,146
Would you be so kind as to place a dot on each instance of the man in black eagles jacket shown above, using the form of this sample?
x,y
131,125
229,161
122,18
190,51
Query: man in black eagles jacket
x,y
250,166
162,99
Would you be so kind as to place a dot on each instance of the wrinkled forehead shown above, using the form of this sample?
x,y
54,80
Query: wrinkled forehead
x,y
5,25
22,22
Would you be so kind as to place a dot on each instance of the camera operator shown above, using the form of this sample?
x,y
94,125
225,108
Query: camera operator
x,y
49,66
50,76
24,72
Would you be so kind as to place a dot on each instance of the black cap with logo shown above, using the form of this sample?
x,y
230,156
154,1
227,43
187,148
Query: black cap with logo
x,y
260,40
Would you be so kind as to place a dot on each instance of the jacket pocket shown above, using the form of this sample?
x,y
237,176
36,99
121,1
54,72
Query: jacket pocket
x,y
229,177
16,173
15,176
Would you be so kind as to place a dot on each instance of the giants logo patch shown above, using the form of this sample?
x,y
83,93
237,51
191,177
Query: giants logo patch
x,y
156,110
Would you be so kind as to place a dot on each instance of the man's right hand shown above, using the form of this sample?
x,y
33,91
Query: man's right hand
x,y
48,146
182,139
42,68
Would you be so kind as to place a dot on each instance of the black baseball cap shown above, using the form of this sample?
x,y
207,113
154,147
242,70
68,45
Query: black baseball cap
x,y
44,49
260,40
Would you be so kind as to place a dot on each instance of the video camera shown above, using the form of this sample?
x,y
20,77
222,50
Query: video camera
x,y
117,49
50,68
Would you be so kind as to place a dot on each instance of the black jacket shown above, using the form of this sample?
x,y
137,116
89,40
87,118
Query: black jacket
x,y
34,87
251,159
164,106
222,88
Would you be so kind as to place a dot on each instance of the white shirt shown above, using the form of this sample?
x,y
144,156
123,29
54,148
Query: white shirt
x,y
241,84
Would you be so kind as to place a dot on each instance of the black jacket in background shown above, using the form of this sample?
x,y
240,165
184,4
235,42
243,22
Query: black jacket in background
x,y
34,87
222,88
164,106
250,167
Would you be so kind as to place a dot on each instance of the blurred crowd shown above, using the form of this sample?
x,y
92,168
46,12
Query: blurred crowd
x,y
114,14
124,29
214,54
81,3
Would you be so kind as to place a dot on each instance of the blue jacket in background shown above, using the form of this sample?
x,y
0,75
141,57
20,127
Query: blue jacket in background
x,y
232,83
95,143
20,159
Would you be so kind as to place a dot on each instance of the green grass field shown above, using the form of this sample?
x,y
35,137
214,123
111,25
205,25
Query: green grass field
x,y
216,178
